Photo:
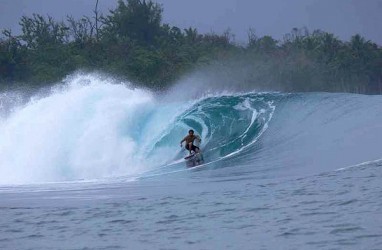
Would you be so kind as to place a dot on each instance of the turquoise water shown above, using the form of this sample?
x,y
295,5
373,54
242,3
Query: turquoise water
x,y
96,165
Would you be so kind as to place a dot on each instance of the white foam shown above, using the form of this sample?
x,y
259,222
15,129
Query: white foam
x,y
81,131
360,164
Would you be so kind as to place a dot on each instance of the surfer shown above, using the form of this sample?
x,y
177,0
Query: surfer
x,y
189,139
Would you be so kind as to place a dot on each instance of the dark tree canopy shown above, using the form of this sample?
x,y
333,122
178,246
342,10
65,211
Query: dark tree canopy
x,y
133,42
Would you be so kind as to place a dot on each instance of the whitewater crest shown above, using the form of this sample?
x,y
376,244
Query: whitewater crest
x,y
83,130
91,128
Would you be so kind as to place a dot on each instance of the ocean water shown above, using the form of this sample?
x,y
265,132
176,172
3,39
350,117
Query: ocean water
x,y
92,164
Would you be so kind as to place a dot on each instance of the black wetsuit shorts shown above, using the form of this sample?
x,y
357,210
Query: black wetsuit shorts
x,y
193,147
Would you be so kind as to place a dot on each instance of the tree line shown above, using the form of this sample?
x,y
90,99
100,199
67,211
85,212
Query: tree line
x,y
132,41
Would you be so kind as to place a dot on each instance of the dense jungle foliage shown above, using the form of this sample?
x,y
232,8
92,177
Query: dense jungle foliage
x,y
132,42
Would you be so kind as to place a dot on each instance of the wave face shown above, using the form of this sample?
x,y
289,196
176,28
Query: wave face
x,y
92,129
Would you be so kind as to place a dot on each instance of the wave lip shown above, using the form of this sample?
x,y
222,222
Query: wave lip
x,y
228,125
91,129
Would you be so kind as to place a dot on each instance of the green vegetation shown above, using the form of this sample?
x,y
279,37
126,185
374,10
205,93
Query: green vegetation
x,y
132,42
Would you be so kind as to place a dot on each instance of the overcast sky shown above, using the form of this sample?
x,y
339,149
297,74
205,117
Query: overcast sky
x,y
344,18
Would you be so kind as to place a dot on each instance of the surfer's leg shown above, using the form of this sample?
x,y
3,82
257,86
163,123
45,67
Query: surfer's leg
x,y
190,147
195,149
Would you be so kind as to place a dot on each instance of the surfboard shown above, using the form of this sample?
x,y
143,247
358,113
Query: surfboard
x,y
189,156
194,159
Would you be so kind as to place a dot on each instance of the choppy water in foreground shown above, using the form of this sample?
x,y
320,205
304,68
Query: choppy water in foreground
x,y
332,210
96,166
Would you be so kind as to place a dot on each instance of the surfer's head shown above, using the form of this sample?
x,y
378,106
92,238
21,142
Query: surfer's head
x,y
190,132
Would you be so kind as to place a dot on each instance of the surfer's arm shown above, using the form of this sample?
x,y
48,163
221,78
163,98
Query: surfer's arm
x,y
182,141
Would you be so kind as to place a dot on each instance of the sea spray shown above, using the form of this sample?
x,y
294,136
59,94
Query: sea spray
x,y
81,131
90,128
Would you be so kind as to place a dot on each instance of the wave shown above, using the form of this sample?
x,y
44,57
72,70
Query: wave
x,y
91,128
